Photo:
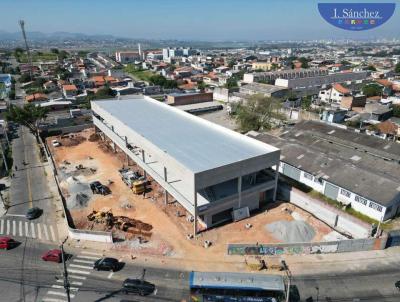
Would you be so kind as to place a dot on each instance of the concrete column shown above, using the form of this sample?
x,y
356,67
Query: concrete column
x,y
165,191
239,192
276,181
195,214
144,160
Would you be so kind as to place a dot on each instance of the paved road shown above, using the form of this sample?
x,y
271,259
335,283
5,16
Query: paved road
x,y
29,188
25,277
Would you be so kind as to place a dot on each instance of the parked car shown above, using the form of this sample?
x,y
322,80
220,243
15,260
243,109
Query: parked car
x,y
98,188
33,213
53,256
137,286
106,264
397,285
6,242
55,143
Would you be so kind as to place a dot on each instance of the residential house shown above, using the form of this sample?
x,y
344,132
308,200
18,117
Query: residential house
x,y
334,94
378,112
36,97
333,116
69,90
349,102
49,85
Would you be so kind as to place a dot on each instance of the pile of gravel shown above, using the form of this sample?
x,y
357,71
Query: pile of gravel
x,y
79,192
291,231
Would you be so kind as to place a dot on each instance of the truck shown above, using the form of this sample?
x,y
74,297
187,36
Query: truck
x,y
133,180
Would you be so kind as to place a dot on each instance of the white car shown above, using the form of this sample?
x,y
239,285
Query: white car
x,y
55,143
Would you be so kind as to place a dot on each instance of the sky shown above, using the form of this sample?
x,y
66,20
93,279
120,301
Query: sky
x,y
206,20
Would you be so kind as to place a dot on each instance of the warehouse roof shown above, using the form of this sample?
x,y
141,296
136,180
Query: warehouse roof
x,y
365,165
236,280
197,144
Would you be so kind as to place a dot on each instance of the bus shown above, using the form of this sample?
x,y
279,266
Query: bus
x,y
235,287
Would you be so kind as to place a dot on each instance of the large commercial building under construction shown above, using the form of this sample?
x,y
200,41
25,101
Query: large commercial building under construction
x,y
216,174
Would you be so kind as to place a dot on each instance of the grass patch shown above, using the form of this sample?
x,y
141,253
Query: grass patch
x,y
143,75
36,57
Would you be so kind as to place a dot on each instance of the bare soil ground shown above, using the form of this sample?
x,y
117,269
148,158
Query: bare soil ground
x,y
169,233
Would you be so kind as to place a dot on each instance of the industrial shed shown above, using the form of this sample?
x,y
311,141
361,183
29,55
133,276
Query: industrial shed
x,y
216,174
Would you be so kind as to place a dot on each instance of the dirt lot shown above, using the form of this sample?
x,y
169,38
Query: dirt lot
x,y
169,233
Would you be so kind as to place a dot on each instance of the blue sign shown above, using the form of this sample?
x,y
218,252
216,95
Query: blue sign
x,y
356,16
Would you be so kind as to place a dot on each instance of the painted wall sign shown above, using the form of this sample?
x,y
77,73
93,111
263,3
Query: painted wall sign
x,y
356,16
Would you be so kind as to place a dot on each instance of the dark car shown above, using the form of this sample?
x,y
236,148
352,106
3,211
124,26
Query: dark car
x,y
98,188
106,264
397,285
138,286
33,213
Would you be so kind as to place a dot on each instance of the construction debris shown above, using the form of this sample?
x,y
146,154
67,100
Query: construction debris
x,y
122,223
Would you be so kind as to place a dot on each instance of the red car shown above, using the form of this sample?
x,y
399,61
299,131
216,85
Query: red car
x,y
52,255
6,242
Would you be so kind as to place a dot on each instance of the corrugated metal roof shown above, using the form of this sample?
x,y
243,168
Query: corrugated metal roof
x,y
196,143
236,280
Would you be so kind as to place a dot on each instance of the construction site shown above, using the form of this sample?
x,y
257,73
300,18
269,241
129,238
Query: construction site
x,y
106,191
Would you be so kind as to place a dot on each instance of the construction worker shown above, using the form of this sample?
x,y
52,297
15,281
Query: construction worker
x,y
16,168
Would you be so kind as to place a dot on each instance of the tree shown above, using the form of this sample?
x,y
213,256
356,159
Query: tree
x,y
396,110
231,83
371,68
105,93
54,50
201,85
372,90
304,62
259,112
29,115
24,78
306,103
397,68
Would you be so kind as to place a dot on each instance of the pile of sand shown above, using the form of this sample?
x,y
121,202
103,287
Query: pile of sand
x,y
291,231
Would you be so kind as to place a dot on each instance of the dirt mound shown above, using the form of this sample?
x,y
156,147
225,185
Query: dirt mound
x,y
72,140
94,137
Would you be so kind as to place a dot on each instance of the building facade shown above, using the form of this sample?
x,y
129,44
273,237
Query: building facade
x,y
214,173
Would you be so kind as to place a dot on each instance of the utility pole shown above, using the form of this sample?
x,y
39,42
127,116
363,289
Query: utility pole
x,y
22,25
65,274
284,265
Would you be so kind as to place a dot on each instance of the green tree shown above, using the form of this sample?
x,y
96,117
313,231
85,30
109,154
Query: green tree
x,y
306,103
259,112
372,90
396,110
231,83
54,50
304,62
371,68
29,115
201,85
397,68
24,78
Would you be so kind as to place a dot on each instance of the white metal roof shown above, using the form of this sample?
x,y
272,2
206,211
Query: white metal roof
x,y
196,143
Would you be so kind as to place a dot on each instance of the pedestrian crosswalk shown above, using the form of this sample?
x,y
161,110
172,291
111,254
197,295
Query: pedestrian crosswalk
x,y
30,229
78,270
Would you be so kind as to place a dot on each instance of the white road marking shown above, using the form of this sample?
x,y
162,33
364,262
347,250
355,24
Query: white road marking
x,y
14,231
81,266
52,300
46,234
61,286
26,229
75,277
52,233
2,226
76,283
50,292
87,257
155,292
83,261
91,253
77,271
15,215
39,231
33,230
8,227
20,229
110,275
